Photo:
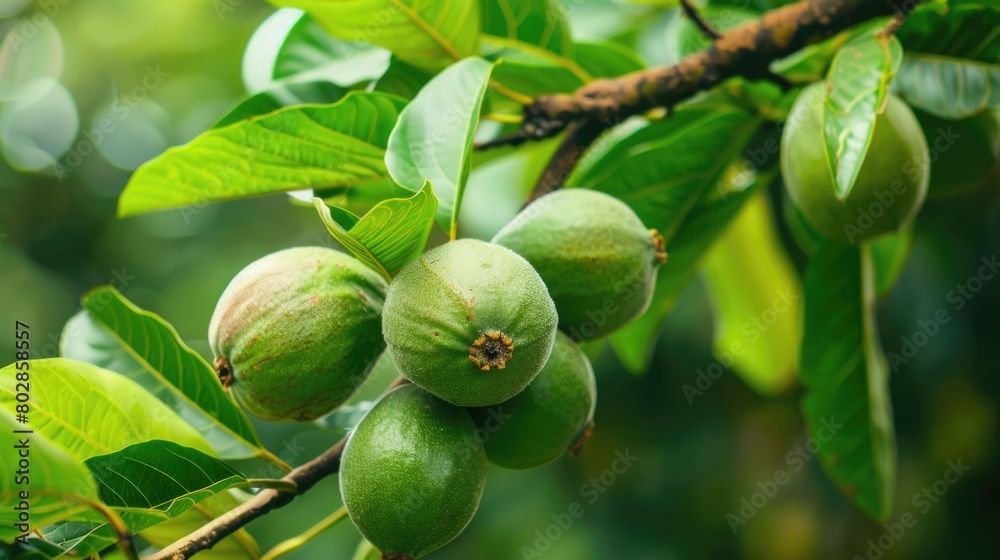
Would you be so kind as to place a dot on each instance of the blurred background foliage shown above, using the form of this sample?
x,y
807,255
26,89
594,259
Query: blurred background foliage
x,y
698,458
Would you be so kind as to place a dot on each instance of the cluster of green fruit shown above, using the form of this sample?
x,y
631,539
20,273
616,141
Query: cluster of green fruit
x,y
473,325
895,176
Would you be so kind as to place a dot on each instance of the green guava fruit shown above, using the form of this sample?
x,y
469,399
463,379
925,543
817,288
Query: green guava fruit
x,y
552,416
297,331
469,321
412,473
963,152
891,184
597,259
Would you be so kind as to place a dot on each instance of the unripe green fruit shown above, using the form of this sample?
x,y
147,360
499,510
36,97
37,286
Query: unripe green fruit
x,y
469,321
552,416
597,259
412,473
891,184
964,151
297,331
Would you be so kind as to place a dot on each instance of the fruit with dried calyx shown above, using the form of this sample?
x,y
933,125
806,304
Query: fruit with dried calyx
x,y
412,473
469,321
891,184
596,257
297,331
552,416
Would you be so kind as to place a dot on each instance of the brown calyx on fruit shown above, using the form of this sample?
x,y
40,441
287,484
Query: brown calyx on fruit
x,y
574,450
493,349
660,245
224,371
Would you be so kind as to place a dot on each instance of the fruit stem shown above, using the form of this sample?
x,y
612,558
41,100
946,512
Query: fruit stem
x,y
273,483
295,543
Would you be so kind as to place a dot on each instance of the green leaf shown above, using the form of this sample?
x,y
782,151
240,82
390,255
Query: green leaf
x,y
431,143
159,476
607,60
147,484
392,234
113,333
86,538
88,411
282,95
664,168
533,22
889,255
428,35
59,487
700,229
289,46
339,145
757,299
846,378
952,62
857,86
532,70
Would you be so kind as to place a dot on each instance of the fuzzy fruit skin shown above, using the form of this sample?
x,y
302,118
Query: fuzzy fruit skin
x,y
895,169
412,473
548,418
440,305
596,257
298,330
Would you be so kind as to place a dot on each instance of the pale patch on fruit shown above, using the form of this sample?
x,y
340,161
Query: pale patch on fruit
x,y
493,349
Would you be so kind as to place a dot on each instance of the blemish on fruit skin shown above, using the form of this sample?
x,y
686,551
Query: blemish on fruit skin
x,y
315,300
437,333
364,296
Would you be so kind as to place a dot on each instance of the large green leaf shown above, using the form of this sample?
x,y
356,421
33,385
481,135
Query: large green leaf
x,y
664,168
159,478
282,95
392,234
58,486
952,62
757,299
113,333
846,378
700,229
429,35
340,145
88,411
857,86
433,138
533,22
147,484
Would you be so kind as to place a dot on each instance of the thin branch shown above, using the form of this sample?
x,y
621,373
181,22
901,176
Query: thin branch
x,y
746,51
305,477
579,135
700,22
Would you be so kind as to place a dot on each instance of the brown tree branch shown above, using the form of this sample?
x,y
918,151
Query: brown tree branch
x,y
745,51
305,477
